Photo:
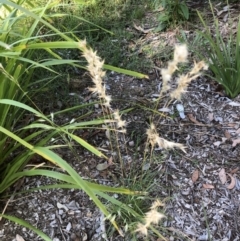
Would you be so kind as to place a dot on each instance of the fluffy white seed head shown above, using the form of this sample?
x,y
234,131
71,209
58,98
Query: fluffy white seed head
x,y
180,53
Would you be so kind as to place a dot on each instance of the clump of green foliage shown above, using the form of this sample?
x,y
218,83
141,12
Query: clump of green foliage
x,y
172,12
104,25
223,56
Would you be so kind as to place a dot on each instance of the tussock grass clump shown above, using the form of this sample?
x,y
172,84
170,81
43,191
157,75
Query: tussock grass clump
x,y
223,55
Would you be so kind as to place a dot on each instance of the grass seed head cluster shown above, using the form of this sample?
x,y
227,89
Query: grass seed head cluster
x,y
180,56
155,139
95,66
151,217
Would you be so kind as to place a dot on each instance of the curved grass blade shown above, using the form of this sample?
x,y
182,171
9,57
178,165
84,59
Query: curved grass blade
x,y
70,182
27,225
125,71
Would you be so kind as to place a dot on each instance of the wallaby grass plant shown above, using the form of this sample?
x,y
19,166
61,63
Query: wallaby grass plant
x,y
223,55
153,138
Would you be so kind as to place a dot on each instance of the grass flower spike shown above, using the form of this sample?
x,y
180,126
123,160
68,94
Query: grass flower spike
x,y
151,217
154,138
142,228
157,203
120,123
185,80
180,56
94,67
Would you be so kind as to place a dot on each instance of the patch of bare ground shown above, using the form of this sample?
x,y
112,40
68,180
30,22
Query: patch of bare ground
x,y
202,206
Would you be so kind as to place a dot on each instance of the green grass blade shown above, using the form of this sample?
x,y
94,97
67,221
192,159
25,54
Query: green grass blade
x,y
125,71
27,225
70,182
23,106
119,203
49,45
87,145
87,123
34,16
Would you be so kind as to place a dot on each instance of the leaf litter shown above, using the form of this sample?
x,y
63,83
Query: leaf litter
x,y
222,176
195,176
233,182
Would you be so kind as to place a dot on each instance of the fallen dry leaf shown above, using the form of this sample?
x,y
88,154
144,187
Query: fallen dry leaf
x,y
233,182
227,135
104,174
164,109
107,133
195,175
208,186
139,28
222,176
234,170
180,110
235,142
192,118
110,161
224,139
231,124
102,166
